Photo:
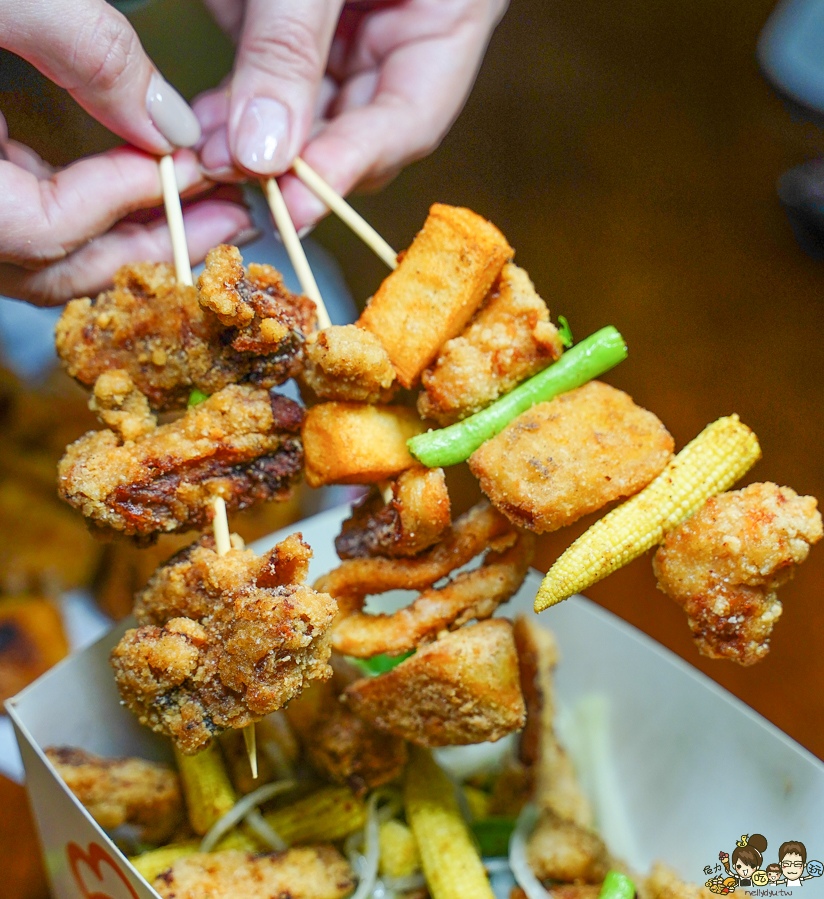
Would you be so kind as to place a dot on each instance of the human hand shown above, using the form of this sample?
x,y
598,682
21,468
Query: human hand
x,y
358,89
62,232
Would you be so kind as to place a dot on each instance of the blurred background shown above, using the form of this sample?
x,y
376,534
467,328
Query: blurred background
x,y
630,153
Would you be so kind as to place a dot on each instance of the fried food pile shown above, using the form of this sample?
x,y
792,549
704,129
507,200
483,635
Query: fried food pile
x,y
223,640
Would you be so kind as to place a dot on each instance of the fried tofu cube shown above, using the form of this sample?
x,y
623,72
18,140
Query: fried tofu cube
x,y
439,283
354,443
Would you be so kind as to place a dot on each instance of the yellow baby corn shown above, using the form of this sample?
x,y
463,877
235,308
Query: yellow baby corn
x,y
209,792
451,864
331,813
710,464
399,851
156,861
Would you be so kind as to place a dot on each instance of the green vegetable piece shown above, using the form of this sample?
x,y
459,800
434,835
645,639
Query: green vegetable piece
x,y
197,396
492,835
565,332
379,664
617,886
591,357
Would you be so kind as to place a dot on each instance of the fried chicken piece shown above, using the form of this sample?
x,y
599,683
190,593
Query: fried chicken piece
x,y
509,339
307,872
664,883
564,891
122,791
223,641
414,519
469,595
463,688
340,746
565,851
345,362
158,331
242,444
724,564
563,459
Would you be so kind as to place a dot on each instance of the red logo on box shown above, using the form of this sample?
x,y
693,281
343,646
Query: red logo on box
x,y
86,866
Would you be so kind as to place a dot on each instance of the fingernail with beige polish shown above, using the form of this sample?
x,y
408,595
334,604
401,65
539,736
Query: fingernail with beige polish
x,y
171,114
260,143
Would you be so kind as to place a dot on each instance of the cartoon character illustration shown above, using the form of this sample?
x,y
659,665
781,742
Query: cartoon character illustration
x,y
721,885
773,871
793,858
746,858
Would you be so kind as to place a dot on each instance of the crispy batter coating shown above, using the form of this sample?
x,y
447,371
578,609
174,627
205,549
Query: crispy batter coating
x,y
509,339
565,851
242,444
463,688
158,331
469,595
414,519
224,640
664,883
346,362
725,563
123,791
563,459
307,872
340,746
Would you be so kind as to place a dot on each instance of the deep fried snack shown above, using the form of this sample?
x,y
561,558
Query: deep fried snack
x,y
664,883
565,851
224,640
339,745
122,791
32,639
471,594
308,872
345,362
439,283
158,331
242,444
469,535
509,339
355,443
725,563
414,519
568,457
463,688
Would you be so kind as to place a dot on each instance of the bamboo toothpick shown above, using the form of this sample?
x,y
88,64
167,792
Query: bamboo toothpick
x,y
293,247
174,216
345,212
224,544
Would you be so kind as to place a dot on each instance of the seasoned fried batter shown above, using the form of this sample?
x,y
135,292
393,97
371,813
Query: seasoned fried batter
x,y
725,563
123,791
242,444
472,594
32,639
509,339
414,519
562,850
345,362
224,640
307,872
568,457
664,883
157,330
463,688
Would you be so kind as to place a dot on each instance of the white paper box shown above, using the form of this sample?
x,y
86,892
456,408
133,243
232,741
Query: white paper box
x,y
692,768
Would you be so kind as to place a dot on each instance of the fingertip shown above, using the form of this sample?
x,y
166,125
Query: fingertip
x,y
305,209
171,114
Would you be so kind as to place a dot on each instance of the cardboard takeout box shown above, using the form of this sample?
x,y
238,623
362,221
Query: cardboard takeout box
x,y
678,768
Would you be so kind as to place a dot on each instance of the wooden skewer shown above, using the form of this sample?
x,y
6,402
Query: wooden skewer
x,y
174,215
224,544
293,247
345,212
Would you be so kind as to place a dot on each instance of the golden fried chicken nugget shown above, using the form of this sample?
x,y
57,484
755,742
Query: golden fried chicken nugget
x,y
355,443
565,851
463,688
122,791
345,362
664,883
32,639
414,519
571,456
223,641
439,283
509,339
307,872
724,564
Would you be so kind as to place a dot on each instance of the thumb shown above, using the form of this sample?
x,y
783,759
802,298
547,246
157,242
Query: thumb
x,y
92,51
280,62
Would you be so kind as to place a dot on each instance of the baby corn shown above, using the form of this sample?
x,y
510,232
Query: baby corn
x,y
451,864
209,792
722,453
399,851
329,814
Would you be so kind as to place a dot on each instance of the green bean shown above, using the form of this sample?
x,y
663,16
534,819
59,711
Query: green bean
x,y
617,886
196,397
591,357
